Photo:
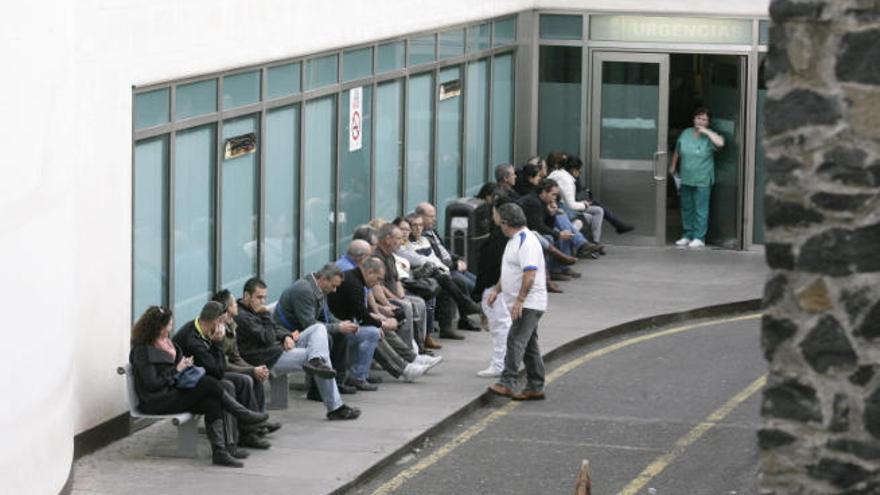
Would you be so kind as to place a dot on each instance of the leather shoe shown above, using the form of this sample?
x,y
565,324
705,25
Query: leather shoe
x,y
553,288
499,389
374,379
430,343
559,277
345,389
451,334
623,228
344,412
362,385
529,395
319,368
587,249
271,426
254,442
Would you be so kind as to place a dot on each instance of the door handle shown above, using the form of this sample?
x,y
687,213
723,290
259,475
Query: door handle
x,y
660,166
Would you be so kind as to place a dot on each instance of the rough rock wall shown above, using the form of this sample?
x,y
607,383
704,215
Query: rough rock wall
x,y
821,330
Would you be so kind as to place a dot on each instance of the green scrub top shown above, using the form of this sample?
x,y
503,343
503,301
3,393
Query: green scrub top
x,y
697,159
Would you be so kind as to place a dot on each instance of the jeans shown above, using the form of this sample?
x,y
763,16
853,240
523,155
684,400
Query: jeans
x,y
522,346
312,343
361,347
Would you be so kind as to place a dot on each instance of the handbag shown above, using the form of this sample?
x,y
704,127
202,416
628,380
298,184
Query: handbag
x,y
189,377
426,288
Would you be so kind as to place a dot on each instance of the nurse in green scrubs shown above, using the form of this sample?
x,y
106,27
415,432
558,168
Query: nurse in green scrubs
x,y
695,149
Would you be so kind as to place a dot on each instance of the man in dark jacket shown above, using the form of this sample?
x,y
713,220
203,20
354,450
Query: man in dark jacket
x,y
262,341
304,303
202,339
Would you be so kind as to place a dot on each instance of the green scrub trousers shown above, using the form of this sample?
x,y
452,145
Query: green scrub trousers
x,y
695,211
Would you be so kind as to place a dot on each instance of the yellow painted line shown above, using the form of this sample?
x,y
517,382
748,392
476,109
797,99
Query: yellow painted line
x,y
394,483
692,436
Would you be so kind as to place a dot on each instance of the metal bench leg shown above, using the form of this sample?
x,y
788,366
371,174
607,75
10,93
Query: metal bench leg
x,y
187,439
278,392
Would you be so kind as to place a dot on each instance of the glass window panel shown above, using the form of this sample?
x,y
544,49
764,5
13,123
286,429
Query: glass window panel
x,y
357,64
449,121
280,245
151,108
559,100
195,99
421,50
389,141
238,209
562,27
241,89
419,127
451,43
478,37
629,110
321,72
505,32
763,32
477,125
390,56
150,224
320,160
354,171
195,155
283,80
502,111
760,164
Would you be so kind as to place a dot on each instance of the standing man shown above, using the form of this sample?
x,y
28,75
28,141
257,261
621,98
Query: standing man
x,y
522,287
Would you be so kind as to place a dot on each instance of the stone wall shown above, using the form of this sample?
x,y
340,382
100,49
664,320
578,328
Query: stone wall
x,y
821,330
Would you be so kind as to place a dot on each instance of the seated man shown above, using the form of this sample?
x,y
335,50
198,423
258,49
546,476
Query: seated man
x,y
262,342
202,339
351,301
304,304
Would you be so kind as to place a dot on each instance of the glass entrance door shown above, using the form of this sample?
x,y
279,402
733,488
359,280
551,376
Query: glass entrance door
x,y
629,150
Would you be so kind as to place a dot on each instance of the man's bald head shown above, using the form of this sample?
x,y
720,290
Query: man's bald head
x,y
359,249
428,213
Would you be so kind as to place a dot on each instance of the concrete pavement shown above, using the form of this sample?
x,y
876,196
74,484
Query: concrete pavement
x,y
313,456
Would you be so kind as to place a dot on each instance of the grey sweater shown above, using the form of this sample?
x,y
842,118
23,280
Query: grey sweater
x,y
302,305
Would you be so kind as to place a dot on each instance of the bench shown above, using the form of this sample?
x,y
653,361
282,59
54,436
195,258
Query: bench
x,y
186,423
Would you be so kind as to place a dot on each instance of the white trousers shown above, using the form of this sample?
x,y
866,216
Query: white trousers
x,y
499,319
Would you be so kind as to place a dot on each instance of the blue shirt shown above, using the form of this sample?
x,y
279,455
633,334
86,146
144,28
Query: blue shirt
x,y
345,263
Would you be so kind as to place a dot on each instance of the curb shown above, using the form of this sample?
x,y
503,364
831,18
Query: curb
x,y
605,334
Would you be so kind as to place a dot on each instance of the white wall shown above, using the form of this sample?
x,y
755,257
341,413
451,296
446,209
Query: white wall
x,y
65,201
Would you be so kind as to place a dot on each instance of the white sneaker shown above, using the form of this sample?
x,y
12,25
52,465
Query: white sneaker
x,y
428,361
696,243
413,371
489,372
684,241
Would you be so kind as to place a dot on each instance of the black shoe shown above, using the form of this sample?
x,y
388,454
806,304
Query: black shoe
x,y
319,368
374,379
344,412
464,323
623,228
271,426
451,334
346,389
224,458
362,385
237,452
254,442
559,277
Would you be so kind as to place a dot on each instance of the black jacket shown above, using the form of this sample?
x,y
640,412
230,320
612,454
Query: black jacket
x,y
205,353
349,300
154,371
259,337
489,268
537,217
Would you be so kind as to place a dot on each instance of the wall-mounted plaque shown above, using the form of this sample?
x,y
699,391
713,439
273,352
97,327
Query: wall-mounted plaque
x,y
240,145
450,89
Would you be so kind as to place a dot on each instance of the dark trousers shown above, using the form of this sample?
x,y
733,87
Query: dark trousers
x,y
204,398
522,347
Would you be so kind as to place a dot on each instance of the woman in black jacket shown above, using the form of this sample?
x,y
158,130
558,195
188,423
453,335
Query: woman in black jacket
x,y
157,364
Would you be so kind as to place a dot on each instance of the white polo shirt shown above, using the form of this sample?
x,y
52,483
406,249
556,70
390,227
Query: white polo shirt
x,y
522,254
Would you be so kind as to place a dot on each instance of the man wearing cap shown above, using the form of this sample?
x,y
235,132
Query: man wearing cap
x,y
202,339
263,342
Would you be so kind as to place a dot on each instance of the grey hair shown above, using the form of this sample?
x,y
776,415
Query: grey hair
x,y
502,171
328,271
372,264
359,248
366,233
420,208
512,215
386,231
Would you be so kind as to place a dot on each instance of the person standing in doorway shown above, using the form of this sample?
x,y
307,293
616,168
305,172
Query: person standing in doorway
x,y
695,149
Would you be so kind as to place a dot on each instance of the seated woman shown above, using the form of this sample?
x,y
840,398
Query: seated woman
x,y
527,179
158,365
566,176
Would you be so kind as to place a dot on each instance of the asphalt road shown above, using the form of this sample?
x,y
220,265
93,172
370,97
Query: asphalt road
x,y
641,400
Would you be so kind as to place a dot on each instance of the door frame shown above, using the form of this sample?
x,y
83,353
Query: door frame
x,y
598,57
